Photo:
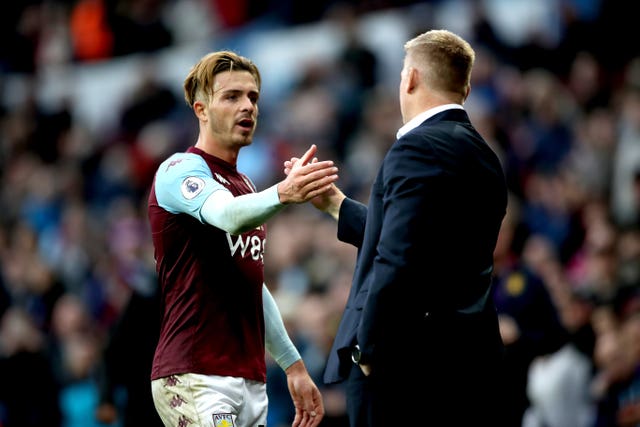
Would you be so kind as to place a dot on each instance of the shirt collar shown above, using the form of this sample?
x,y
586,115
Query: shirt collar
x,y
413,123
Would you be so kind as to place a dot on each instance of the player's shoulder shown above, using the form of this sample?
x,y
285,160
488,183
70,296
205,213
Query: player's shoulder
x,y
177,159
179,164
185,174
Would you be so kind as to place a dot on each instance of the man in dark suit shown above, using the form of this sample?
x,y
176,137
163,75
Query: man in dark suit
x,y
418,343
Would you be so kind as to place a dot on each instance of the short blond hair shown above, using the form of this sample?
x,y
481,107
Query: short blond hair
x,y
444,59
198,85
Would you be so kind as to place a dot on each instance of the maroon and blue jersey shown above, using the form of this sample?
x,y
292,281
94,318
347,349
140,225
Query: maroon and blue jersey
x,y
211,281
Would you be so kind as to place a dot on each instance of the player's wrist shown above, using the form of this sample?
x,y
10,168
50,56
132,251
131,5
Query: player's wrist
x,y
281,192
296,367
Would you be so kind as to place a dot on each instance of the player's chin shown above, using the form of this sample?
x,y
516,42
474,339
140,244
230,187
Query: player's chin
x,y
244,140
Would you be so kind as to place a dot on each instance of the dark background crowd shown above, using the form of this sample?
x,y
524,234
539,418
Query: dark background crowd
x,y
91,102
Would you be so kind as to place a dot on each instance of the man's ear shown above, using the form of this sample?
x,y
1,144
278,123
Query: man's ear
x,y
199,108
468,91
413,79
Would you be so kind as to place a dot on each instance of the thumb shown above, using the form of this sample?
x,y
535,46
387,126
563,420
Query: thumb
x,y
308,155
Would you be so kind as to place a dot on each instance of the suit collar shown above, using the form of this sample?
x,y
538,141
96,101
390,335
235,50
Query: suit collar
x,y
420,118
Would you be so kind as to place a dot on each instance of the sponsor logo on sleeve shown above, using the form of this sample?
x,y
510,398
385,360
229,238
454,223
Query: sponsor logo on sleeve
x,y
191,187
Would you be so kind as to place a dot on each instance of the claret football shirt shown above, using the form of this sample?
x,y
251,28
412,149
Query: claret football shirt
x,y
211,282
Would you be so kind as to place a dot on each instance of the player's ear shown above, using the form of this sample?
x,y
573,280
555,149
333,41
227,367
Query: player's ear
x,y
199,108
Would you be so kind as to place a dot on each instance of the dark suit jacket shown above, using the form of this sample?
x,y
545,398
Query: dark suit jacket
x,y
420,291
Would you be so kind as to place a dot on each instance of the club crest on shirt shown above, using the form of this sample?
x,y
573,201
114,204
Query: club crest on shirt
x,y
221,179
515,284
191,187
223,420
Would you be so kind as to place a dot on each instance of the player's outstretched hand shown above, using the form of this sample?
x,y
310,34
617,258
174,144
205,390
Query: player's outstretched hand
x,y
307,178
329,200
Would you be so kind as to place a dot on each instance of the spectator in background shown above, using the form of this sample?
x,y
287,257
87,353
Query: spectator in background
x,y
126,364
558,383
626,162
358,68
29,390
125,368
529,324
20,28
617,356
74,349
90,32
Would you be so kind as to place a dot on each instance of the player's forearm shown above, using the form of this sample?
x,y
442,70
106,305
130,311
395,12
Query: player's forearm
x,y
236,215
277,341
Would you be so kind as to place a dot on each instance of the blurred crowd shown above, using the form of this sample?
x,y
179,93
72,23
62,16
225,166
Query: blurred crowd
x,y
560,104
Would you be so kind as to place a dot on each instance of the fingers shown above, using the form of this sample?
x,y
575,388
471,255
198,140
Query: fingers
x,y
288,164
311,418
317,186
311,167
309,409
319,191
317,181
314,411
317,174
314,176
297,419
308,155
301,418
305,419
307,177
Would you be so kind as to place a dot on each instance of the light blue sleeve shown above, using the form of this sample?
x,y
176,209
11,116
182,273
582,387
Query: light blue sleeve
x,y
277,341
241,213
183,183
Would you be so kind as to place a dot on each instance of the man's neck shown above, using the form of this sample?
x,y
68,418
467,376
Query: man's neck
x,y
229,155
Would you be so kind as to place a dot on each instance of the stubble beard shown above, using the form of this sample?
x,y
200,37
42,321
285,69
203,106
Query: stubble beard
x,y
244,139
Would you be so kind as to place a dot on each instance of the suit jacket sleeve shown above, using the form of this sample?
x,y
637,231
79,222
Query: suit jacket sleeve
x,y
409,171
351,222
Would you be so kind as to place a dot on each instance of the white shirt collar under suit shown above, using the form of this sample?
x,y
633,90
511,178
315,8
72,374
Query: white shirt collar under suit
x,y
413,123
